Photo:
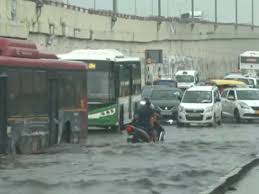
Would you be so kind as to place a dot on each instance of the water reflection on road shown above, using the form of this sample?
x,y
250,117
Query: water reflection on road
x,y
189,161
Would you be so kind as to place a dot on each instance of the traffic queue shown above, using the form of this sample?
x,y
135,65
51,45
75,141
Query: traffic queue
x,y
189,101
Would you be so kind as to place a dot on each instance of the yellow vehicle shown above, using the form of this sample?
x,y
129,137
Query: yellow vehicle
x,y
222,84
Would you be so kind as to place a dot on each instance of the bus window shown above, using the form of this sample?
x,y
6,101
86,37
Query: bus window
x,y
70,86
40,91
13,92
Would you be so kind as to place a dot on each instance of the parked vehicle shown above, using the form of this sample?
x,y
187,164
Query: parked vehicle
x,y
222,84
241,103
247,80
186,78
200,105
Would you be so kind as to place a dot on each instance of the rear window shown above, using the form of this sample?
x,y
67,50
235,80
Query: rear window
x,y
165,95
170,83
246,81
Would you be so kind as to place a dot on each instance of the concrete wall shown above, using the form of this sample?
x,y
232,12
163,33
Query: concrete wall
x,y
58,29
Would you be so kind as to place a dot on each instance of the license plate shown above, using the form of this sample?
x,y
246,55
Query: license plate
x,y
166,113
257,112
194,114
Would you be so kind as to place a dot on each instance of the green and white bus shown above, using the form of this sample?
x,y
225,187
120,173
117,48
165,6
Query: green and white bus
x,y
114,86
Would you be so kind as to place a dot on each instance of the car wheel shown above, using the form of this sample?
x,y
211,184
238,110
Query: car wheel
x,y
214,122
220,120
237,116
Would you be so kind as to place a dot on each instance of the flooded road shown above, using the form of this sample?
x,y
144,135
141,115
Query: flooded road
x,y
188,162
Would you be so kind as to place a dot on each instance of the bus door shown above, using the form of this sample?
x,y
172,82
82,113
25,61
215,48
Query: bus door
x,y
131,91
53,109
3,114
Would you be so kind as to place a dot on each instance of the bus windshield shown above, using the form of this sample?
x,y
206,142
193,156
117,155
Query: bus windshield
x,y
185,78
100,83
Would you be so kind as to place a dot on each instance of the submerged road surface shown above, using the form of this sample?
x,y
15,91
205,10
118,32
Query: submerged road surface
x,y
188,162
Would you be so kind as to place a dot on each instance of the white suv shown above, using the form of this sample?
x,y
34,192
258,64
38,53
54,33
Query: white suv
x,y
241,103
200,105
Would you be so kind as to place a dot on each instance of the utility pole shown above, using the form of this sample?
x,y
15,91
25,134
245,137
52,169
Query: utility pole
x,y
236,12
135,7
192,9
94,5
168,8
152,7
159,8
216,12
115,8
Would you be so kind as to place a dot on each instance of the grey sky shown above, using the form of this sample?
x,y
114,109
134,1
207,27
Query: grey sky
x,y
226,8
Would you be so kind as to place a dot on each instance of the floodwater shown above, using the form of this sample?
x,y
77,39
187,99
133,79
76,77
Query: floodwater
x,y
188,162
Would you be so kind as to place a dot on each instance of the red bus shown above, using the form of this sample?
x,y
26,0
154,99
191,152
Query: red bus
x,y
43,100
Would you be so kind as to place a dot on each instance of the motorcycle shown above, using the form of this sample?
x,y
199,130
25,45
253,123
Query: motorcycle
x,y
138,135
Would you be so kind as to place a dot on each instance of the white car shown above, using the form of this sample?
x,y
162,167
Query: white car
x,y
200,105
241,103
247,80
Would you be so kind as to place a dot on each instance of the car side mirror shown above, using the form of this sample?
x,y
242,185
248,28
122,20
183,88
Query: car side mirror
x,y
231,98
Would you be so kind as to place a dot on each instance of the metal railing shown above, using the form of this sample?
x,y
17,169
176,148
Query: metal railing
x,y
158,11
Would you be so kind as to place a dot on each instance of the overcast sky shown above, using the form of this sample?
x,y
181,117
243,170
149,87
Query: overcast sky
x,y
226,8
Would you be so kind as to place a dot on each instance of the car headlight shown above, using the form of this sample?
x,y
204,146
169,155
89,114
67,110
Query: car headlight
x,y
209,109
142,102
181,109
244,105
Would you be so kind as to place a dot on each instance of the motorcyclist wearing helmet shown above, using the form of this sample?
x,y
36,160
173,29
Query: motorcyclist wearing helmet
x,y
145,118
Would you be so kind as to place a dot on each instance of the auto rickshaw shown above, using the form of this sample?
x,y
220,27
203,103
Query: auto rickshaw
x,y
222,84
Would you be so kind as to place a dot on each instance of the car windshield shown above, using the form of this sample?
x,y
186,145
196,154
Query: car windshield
x,y
248,95
165,95
197,97
185,78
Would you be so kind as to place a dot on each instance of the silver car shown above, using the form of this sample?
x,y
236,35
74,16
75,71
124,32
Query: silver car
x,y
241,103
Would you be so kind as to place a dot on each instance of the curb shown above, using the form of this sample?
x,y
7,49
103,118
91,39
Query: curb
x,y
235,176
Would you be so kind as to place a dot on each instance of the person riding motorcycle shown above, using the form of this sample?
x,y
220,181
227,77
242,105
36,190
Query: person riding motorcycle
x,y
146,118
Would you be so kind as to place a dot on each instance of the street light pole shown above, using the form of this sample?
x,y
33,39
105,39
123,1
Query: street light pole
x,y
192,9
115,8
159,8
94,5
167,8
